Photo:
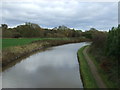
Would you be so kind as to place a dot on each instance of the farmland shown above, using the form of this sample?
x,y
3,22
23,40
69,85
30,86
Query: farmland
x,y
8,42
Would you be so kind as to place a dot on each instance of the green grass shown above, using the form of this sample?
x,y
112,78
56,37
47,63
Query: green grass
x,y
103,75
0,43
87,77
9,42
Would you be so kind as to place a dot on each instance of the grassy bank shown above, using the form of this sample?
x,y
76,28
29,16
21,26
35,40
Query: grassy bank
x,y
103,74
88,79
16,52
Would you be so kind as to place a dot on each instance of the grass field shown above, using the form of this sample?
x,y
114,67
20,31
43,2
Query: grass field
x,y
22,41
88,79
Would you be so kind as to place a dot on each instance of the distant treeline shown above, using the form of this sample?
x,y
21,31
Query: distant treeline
x,y
31,30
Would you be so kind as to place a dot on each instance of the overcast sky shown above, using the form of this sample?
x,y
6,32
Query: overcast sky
x,y
52,13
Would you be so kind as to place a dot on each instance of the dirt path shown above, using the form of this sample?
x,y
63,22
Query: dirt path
x,y
93,69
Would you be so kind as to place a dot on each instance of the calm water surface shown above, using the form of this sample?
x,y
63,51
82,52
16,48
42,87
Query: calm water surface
x,y
54,68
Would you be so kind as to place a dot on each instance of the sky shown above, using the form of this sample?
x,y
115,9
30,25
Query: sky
x,y
53,13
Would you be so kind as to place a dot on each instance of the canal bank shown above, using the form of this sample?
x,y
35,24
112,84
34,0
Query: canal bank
x,y
13,54
89,72
87,77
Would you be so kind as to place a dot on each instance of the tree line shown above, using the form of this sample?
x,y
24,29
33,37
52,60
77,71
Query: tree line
x,y
113,43
31,30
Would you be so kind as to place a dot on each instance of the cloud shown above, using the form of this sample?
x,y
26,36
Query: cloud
x,y
52,13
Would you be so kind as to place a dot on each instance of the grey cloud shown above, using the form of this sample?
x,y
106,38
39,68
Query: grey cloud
x,y
72,13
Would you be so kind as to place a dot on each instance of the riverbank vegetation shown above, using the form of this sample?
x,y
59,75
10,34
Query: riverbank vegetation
x,y
87,77
105,52
16,52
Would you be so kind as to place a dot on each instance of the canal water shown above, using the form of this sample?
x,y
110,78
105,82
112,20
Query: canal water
x,y
56,67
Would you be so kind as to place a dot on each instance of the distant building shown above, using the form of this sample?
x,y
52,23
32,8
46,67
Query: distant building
x,y
61,28
55,28
32,25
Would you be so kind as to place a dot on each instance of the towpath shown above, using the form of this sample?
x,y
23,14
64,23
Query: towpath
x,y
93,69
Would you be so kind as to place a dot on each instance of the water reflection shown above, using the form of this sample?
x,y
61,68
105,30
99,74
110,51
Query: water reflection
x,y
55,68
